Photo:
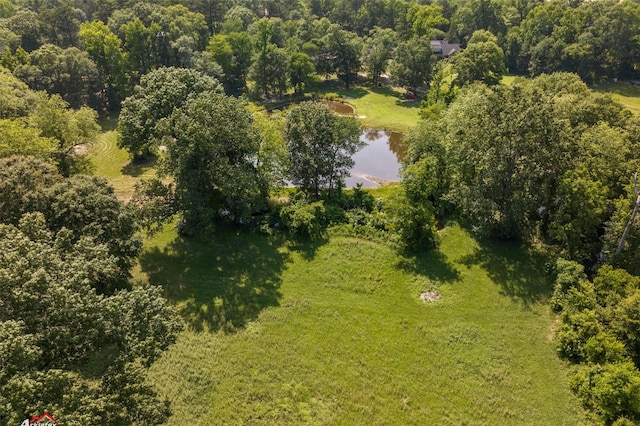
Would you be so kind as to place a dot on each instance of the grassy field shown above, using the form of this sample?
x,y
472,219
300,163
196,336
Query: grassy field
x,y
382,108
114,164
623,92
334,333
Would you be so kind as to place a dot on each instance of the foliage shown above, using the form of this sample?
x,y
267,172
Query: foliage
x,y
599,330
212,145
270,70
412,64
320,145
104,48
509,149
272,155
304,219
377,51
234,53
161,92
343,49
16,100
610,390
84,207
16,138
54,324
68,72
301,70
411,214
482,61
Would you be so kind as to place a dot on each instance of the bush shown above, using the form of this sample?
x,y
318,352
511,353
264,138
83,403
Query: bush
x,y
414,223
303,219
612,391
568,275
574,333
604,348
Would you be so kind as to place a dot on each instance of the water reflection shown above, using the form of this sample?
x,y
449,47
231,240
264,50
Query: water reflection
x,y
379,160
339,107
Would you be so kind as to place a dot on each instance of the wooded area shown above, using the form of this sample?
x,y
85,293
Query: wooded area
x,y
541,160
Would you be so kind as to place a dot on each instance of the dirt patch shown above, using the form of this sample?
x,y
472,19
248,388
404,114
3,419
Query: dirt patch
x,y
429,297
81,149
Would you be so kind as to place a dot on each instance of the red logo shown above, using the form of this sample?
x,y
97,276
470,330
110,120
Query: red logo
x,y
45,419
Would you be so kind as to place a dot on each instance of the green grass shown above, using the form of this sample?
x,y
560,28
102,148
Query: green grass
x,y
625,93
114,164
508,79
382,108
334,333
378,107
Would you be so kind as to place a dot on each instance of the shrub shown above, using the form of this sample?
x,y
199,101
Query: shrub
x,y
303,219
573,334
612,391
604,348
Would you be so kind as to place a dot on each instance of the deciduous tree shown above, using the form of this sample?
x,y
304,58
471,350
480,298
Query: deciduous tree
x,y
320,144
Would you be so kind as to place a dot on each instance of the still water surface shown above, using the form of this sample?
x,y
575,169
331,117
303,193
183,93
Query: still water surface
x,y
380,159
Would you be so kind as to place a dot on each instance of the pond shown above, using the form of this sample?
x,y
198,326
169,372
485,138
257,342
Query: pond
x,y
379,161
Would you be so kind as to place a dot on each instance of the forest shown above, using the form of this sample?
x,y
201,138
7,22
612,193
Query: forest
x,y
517,141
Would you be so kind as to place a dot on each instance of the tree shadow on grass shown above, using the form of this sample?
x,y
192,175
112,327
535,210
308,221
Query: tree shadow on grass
x,y
307,247
353,92
219,283
431,264
517,268
139,166
387,91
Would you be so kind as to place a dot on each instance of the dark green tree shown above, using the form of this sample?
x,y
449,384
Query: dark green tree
x,y
377,51
104,48
413,63
481,61
160,93
320,144
211,152
301,70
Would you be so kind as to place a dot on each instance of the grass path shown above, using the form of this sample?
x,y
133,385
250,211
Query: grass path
x,y
334,333
113,163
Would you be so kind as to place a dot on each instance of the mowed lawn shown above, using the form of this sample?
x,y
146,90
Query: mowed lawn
x,y
383,108
114,164
334,332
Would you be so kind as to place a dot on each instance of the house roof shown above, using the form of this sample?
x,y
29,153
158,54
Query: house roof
x,y
444,48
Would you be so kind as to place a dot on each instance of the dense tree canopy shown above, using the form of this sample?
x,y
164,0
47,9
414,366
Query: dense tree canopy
x,y
66,246
211,155
320,145
160,93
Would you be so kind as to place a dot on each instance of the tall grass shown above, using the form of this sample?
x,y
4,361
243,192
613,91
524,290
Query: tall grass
x,y
334,332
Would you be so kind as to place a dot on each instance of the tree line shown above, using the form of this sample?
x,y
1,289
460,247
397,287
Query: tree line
x,y
95,52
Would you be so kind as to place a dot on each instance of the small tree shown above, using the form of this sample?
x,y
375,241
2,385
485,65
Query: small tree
x,y
321,144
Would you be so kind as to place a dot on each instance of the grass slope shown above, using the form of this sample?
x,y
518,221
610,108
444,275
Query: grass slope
x,y
623,92
114,164
334,333
383,108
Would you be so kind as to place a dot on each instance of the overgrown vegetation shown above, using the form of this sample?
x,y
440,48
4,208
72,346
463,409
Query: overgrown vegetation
x,y
543,161
332,331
